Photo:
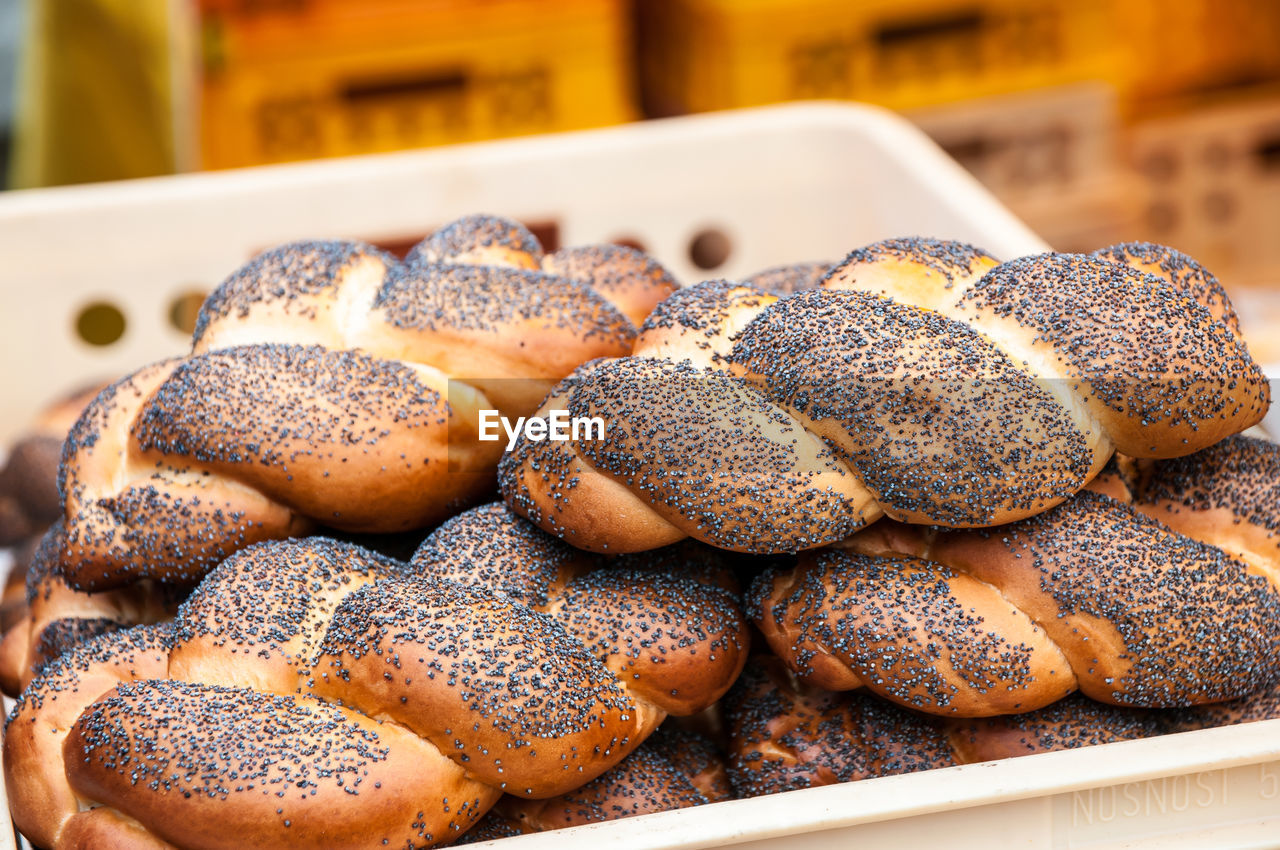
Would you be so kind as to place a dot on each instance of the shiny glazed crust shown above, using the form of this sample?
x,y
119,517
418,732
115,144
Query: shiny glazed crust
x,y
1098,595
330,384
921,380
395,699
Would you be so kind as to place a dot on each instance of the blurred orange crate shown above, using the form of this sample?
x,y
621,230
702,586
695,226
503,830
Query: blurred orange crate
x,y
699,55
1174,48
299,79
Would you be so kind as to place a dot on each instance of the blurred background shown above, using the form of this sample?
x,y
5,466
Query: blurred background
x,y
1093,120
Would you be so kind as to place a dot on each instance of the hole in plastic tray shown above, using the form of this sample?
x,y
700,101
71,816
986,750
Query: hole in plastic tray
x,y
709,248
100,323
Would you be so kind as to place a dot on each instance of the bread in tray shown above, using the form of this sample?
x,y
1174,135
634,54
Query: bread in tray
x,y
312,689
1165,593
786,734
331,385
921,380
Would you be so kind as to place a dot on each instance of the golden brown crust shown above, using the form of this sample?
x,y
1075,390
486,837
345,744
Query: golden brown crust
x,y
1180,271
201,757
508,333
942,387
667,623
60,616
1162,374
403,702
929,273
330,384
785,280
631,280
942,427
1081,722
1126,609
532,717
480,240
1224,496
698,323
377,460
40,800
284,595
786,735
695,756
598,513
1068,724
168,521
670,770
685,426
913,631
107,829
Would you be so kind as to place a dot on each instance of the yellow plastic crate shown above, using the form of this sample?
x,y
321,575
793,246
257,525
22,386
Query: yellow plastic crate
x,y
1177,48
319,78
700,55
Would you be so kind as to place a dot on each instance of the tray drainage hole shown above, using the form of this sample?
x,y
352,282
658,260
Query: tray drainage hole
x,y
709,248
100,323
184,309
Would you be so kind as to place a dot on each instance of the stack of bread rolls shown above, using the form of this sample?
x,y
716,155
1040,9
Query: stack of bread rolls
x,y
329,386
998,495
312,693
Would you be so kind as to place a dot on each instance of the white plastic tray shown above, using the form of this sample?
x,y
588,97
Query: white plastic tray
x,y
1216,788
788,183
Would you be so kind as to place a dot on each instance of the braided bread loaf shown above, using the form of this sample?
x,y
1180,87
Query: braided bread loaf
x,y
786,735
330,384
921,381
666,622
1094,595
312,693
672,769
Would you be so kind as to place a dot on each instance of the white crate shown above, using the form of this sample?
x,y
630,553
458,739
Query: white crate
x,y
790,183
1216,788
787,183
